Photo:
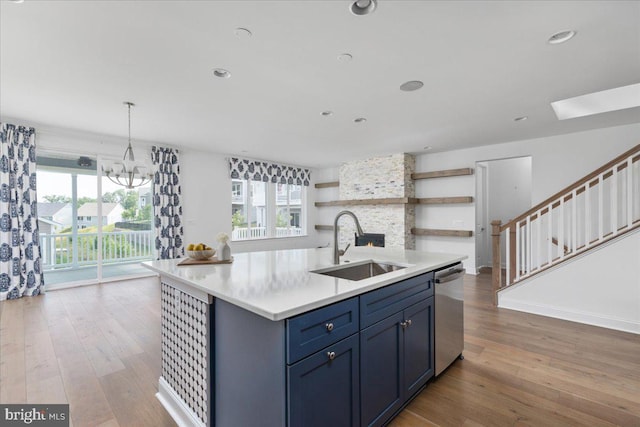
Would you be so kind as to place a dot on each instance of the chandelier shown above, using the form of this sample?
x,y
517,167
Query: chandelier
x,y
129,173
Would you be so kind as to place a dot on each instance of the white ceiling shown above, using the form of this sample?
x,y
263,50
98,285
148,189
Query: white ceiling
x,y
71,64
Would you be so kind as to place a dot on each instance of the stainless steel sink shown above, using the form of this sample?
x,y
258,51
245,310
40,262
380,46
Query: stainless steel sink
x,y
360,271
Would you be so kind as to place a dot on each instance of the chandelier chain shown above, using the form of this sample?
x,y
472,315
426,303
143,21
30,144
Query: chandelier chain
x,y
128,172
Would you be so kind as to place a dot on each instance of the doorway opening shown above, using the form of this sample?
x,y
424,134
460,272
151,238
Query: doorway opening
x,y
503,191
90,229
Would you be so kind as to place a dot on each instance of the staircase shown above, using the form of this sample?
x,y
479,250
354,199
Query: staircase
x,y
602,206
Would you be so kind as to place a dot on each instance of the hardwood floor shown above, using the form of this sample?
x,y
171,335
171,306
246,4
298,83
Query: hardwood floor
x,y
522,369
98,349
94,347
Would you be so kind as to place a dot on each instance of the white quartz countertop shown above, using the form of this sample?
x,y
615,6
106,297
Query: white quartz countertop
x,y
279,284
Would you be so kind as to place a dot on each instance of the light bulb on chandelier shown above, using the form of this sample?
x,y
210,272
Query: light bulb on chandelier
x,y
129,173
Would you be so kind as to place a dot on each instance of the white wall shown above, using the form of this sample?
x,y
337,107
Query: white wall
x,y
508,194
206,190
557,162
206,186
509,187
600,288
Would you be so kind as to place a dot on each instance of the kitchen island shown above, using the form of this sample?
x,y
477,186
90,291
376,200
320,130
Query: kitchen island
x,y
269,341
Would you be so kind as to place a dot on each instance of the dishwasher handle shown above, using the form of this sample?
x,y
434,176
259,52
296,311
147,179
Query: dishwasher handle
x,y
451,276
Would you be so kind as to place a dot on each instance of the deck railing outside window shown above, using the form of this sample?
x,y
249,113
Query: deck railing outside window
x,y
243,233
118,247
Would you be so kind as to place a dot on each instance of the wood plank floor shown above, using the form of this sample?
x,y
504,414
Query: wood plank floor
x,y
98,349
526,370
94,347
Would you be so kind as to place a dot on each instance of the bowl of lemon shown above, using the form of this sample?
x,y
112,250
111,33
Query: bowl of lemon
x,y
200,251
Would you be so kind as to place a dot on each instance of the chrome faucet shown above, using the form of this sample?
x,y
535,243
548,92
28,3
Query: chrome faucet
x,y
337,252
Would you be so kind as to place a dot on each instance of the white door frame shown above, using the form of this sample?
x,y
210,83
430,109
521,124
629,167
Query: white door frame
x,y
482,213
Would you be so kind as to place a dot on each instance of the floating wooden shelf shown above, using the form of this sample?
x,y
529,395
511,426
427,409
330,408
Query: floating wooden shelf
x,y
327,184
445,200
419,231
389,201
324,227
399,201
445,233
442,174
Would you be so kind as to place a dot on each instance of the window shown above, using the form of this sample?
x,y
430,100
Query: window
x,y
236,190
262,210
80,247
289,209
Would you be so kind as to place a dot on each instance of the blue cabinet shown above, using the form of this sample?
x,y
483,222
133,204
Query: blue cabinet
x,y
324,388
383,302
397,359
382,369
313,331
418,346
359,361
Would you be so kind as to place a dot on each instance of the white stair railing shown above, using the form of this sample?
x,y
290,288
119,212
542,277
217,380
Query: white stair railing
x,y
592,211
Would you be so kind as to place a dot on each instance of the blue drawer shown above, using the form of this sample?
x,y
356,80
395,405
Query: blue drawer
x,y
384,302
315,330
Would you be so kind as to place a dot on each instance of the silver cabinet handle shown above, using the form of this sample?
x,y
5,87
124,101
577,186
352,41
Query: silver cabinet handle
x,y
331,355
405,324
329,326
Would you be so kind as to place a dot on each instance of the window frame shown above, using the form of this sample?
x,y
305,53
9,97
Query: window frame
x,y
271,207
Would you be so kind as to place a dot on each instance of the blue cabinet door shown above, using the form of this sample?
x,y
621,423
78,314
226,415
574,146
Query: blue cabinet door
x,y
323,389
381,370
418,346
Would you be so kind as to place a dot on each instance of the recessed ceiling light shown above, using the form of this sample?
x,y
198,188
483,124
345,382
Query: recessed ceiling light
x,y
360,120
619,98
222,73
561,36
16,1
363,7
327,113
411,85
242,33
520,119
345,57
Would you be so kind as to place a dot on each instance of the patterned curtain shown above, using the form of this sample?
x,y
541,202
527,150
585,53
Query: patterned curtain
x,y
167,207
20,261
257,170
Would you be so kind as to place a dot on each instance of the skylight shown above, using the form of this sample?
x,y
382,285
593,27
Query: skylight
x,y
598,102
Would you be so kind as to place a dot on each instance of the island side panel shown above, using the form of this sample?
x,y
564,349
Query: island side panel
x,y
186,363
249,366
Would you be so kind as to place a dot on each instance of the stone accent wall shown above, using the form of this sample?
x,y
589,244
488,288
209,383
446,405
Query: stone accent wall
x,y
379,178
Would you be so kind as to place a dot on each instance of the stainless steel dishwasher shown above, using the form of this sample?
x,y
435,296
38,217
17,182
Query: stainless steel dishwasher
x,y
449,313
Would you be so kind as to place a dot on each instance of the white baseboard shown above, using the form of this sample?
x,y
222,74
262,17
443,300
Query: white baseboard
x,y
175,406
574,316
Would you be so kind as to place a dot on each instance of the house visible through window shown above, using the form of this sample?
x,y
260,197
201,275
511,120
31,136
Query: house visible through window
x,y
86,236
236,190
289,210
264,209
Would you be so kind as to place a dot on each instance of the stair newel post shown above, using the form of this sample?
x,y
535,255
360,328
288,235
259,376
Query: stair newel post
x,y
496,269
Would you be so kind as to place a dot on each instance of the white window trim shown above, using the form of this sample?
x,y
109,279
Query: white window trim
x,y
272,208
